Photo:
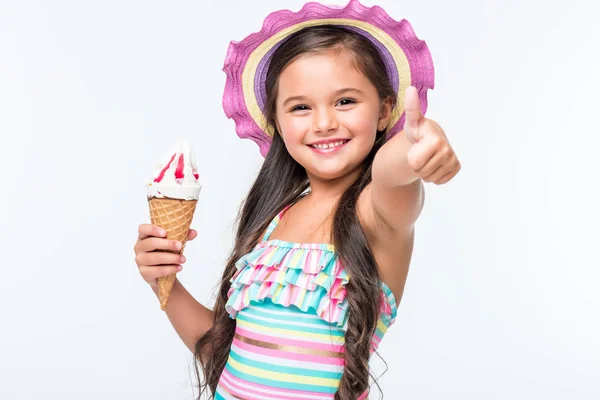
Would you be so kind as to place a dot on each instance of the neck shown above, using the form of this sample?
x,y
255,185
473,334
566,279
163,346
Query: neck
x,y
328,192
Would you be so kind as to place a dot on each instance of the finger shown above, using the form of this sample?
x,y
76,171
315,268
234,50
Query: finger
x,y
436,172
146,230
445,178
412,111
440,158
449,165
154,243
192,235
159,258
439,173
152,272
453,171
419,154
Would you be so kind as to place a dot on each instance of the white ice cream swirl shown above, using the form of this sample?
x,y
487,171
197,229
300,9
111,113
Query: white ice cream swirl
x,y
176,175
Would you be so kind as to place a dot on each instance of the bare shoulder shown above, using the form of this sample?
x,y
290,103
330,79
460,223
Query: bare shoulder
x,y
392,248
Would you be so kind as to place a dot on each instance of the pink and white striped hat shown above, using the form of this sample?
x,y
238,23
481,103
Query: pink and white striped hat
x,y
407,59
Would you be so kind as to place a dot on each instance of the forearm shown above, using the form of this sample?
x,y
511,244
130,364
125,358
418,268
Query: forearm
x,y
189,318
390,166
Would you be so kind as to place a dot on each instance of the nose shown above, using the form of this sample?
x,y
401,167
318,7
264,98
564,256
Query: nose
x,y
324,121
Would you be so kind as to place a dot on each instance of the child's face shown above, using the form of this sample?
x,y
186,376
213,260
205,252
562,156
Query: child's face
x,y
324,97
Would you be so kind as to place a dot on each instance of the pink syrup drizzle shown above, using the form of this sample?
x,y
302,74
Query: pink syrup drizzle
x,y
164,170
179,169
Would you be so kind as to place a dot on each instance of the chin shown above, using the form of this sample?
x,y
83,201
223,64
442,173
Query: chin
x,y
326,176
330,172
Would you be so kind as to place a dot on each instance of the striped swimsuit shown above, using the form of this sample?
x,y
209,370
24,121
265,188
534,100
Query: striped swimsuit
x,y
291,313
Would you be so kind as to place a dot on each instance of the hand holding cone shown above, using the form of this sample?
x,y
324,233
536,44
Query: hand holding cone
x,y
175,217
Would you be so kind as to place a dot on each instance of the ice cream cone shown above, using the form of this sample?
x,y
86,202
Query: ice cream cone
x,y
172,196
175,217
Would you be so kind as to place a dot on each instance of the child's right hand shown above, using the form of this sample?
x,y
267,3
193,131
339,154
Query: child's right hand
x,y
157,256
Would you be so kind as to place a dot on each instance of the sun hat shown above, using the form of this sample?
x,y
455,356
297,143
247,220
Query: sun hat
x,y
407,59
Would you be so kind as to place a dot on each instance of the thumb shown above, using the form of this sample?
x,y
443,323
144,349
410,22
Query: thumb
x,y
192,234
412,112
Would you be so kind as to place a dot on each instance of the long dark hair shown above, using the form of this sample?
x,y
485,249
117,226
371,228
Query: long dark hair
x,y
281,180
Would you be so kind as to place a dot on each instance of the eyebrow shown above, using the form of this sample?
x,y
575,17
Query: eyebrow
x,y
336,93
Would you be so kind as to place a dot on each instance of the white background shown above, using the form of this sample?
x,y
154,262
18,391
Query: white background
x,y
502,299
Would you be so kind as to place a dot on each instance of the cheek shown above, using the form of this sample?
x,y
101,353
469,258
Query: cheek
x,y
293,130
361,124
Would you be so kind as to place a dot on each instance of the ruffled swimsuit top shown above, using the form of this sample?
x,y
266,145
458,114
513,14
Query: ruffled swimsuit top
x,y
289,302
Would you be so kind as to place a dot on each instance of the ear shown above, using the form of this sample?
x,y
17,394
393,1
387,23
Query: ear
x,y
385,113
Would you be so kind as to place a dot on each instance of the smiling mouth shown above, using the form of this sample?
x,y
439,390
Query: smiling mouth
x,y
329,146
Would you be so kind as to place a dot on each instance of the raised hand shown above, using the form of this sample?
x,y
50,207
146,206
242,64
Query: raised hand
x,y
431,157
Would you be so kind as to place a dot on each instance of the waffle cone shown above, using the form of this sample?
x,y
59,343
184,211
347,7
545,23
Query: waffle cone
x,y
175,217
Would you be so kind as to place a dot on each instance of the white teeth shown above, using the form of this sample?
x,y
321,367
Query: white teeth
x,y
329,145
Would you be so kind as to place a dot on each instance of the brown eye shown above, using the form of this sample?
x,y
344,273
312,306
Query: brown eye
x,y
345,102
300,107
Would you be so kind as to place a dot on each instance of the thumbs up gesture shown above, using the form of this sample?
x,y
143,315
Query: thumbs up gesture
x,y
430,156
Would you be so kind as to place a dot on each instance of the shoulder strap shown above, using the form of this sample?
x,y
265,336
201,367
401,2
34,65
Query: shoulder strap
x,y
274,223
277,218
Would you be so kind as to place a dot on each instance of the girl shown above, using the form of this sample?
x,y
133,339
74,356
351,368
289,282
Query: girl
x,y
325,235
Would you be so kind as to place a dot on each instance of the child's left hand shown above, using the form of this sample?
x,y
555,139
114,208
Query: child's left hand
x,y
431,157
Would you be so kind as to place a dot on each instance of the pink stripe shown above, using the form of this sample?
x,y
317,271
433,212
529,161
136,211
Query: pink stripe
x,y
289,355
295,293
238,390
256,388
289,342
375,340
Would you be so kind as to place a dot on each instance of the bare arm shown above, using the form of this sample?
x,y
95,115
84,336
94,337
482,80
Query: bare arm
x,y
190,319
157,256
397,194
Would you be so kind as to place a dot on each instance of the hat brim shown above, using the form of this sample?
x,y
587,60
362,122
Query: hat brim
x,y
407,59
